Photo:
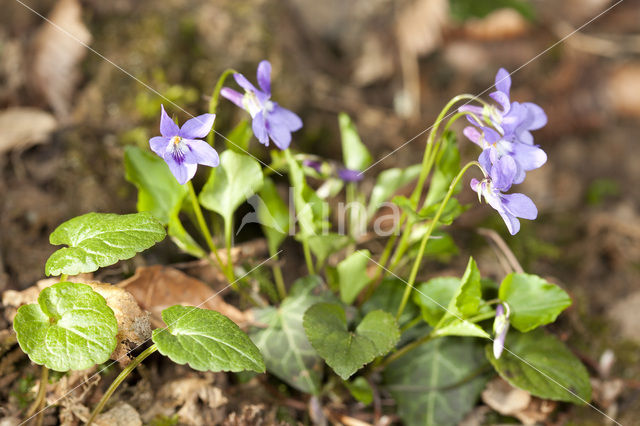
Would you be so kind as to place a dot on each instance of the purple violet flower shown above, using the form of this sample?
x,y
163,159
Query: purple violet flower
x,y
269,119
499,179
181,148
349,175
500,328
315,165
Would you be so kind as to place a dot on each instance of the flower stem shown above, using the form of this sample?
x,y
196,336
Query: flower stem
x,y
427,235
277,275
403,350
213,103
118,380
37,404
204,229
228,229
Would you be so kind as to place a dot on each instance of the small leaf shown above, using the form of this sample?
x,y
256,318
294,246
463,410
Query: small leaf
x,y
273,215
452,210
236,179
240,136
435,384
388,182
206,340
183,239
434,296
324,245
284,344
304,210
158,190
469,295
97,240
352,273
457,327
345,351
543,366
533,301
355,154
361,390
447,167
388,296
70,328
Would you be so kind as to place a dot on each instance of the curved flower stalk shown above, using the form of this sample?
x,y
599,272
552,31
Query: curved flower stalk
x,y
270,120
181,147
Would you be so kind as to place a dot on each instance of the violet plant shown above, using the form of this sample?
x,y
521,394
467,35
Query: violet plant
x,y
359,320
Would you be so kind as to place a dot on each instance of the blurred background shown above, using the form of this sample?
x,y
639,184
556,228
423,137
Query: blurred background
x,y
67,113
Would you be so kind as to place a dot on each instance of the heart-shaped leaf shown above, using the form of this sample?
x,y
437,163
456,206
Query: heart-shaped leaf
x,y
286,349
236,179
347,351
533,301
97,240
352,274
70,328
543,366
323,245
158,190
206,340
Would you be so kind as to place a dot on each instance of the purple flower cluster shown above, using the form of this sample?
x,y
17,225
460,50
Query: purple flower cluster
x,y
270,120
508,151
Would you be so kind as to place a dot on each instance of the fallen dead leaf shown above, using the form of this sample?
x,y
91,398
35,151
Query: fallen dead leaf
x,y
122,414
24,127
58,49
510,401
158,287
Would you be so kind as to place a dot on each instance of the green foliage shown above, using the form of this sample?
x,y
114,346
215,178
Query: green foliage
x,y
324,245
447,167
355,154
437,383
206,340
240,136
284,344
533,301
70,328
237,178
97,240
451,211
461,10
542,365
361,390
183,239
434,296
347,351
273,215
387,183
158,190
352,275
387,297
301,193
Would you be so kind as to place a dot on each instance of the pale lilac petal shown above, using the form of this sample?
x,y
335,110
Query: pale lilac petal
x,y
491,135
520,205
201,152
179,169
485,159
513,224
244,83
197,127
502,99
503,172
539,118
259,127
475,184
264,76
280,134
286,118
168,127
472,134
233,96
159,144
503,81
474,109
529,157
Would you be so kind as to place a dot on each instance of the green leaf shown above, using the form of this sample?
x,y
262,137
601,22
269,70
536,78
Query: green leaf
x,y
361,390
206,340
388,182
347,351
183,239
458,327
158,190
236,179
434,296
543,366
354,153
304,209
452,210
97,240
70,328
461,10
447,167
273,215
532,301
352,273
469,295
387,297
240,136
324,245
437,383
284,344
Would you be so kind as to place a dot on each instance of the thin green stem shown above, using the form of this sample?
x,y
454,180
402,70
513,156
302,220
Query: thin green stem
x,y
118,380
213,103
427,235
228,229
403,351
307,256
277,275
37,404
204,229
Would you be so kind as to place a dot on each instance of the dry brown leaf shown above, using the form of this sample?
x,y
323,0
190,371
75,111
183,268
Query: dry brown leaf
x,y
24,127
158,287
58,50
122,414
510,401
498,25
